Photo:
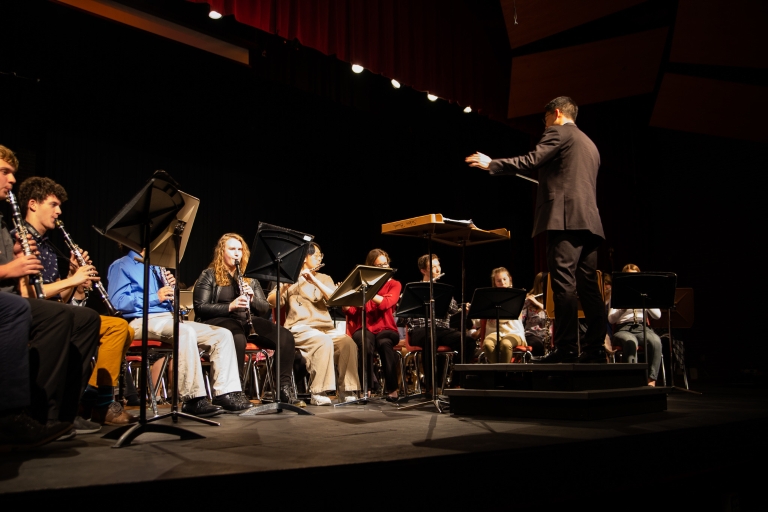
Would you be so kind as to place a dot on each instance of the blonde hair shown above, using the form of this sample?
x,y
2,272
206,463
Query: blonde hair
x,y
220,270
630,267
10,157
498,271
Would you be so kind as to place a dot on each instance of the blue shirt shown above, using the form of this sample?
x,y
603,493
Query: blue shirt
x,y
126,288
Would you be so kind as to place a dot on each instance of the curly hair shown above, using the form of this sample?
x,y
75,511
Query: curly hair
x,y
9,156
39,189
217,264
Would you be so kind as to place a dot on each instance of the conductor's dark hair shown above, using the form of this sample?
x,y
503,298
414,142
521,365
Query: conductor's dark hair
x,y
565,104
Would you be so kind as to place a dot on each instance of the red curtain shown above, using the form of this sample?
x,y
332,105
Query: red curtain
x,y
430,45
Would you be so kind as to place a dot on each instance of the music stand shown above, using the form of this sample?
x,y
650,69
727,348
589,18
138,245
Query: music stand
x,y
633,290
680,316
426,300
277,255
144,222
360,286
498,303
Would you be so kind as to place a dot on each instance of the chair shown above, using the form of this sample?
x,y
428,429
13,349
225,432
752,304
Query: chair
x,y
157,350
410,354
253,356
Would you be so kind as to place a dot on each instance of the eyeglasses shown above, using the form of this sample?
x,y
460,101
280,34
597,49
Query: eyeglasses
x,y
381,265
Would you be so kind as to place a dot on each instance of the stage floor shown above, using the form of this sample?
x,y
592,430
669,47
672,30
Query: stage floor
x,y
716,433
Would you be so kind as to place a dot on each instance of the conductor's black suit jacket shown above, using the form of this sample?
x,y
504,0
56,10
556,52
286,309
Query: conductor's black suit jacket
x,y
567,162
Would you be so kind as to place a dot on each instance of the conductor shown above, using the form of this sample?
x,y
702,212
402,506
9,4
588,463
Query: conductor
x,y
566,208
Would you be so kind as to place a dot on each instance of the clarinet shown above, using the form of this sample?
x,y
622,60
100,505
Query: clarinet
x,y
81,261
241,284
35,279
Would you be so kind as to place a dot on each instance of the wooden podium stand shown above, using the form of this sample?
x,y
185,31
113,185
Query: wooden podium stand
x,y
449,232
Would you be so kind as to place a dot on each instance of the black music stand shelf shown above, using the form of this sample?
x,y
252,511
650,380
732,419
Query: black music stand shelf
x,y
415,302
360,286
497,303
277,255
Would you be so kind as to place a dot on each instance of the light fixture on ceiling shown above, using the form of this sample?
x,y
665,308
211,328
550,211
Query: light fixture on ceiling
x,y
214,15
395,84
431,97
356,68
467,109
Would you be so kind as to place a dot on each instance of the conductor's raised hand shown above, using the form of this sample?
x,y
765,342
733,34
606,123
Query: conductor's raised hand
x,y
479,160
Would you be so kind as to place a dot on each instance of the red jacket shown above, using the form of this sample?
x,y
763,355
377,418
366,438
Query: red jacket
x,y
378,317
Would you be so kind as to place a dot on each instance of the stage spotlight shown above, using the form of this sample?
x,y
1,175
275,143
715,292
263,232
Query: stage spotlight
x,y
357,68
431,97
395,84
214,15
467,110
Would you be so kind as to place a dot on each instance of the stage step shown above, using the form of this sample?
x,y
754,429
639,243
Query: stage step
x,y
562,391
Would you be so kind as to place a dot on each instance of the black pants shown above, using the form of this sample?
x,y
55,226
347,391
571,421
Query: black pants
x,y
15,321
267,332
62,342
572,262
449,337
383,343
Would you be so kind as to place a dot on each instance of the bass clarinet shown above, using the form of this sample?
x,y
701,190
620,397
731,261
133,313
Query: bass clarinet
x,y
35,280
81,261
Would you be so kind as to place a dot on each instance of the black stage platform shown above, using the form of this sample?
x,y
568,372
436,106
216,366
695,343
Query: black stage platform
x,y
703,453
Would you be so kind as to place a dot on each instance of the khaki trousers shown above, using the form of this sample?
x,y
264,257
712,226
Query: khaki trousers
x,y
323,348
504,353
193,337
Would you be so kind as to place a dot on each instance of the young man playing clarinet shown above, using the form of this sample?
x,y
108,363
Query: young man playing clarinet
x,y
40,200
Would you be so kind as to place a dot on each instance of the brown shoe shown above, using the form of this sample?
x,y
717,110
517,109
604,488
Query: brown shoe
x,y
114,414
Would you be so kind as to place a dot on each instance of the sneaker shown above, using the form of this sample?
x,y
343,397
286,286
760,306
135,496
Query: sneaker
x,y
320,400
84,426
21,432
69,434
350,397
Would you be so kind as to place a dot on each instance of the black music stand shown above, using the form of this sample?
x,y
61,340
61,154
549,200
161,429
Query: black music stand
x,y
426,300
144,223
357,289
277,255
498,303
680,316
644,290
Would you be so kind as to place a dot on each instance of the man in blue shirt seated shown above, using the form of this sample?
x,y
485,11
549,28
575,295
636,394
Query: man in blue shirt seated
x,y
126,292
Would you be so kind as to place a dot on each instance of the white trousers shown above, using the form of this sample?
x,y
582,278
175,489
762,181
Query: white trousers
x,y
193,338
323,348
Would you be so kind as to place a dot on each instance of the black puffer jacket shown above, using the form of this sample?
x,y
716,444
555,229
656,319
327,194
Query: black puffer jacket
x,y
206,298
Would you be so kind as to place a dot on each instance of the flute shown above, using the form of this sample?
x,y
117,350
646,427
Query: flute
x,y
35,280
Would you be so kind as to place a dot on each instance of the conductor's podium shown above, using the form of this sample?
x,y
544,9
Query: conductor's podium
x,y
555,391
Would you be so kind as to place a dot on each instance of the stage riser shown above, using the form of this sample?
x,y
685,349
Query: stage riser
x,y
565,409
553,381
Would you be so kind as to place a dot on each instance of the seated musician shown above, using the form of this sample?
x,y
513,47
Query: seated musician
x,y
220,301
308,319
538,333
445,335
126,291
380,328
40,391
628,332
40,200
498,347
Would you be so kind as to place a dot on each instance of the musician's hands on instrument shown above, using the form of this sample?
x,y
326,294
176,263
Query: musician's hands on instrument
x,y
240,302
17,248
479,160
170,279
165,293
248,291
21,266
85,274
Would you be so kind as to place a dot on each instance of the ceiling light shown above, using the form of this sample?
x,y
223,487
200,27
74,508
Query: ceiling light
x,y
214,15
467,110
431,97
357,68
395,84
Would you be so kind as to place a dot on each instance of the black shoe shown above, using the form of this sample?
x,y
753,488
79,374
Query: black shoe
x,y
232,403
592,356
20,432
201,407
392,399
286,398
558,355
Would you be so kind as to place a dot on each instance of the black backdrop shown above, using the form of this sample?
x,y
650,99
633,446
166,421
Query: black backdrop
x,y
333,154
